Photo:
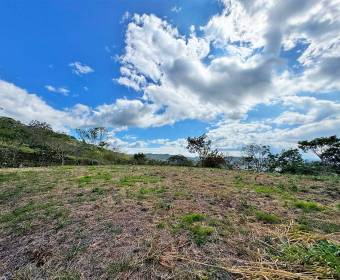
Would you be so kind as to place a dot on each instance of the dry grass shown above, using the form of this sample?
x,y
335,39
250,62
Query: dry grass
x,y
149,222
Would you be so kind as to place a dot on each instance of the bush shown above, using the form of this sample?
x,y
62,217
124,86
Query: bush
x,y
214,161
139,158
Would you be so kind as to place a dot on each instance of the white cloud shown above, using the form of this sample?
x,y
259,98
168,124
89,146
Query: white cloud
x,y
80,68
125,17
62,90
185,76
176,9
220,70
17,103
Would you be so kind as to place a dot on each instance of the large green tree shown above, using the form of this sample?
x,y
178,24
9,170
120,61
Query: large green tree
x,y
326,148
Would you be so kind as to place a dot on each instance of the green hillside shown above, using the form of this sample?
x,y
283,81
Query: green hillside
x,y
37,144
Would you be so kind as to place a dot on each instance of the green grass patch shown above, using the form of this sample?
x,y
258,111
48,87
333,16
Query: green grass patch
x,y
308,206
191,218
21,218
267,217
87,179
265,190
84,180
201,234
323,253
196,224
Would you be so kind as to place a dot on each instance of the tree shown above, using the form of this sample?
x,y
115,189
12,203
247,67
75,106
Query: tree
x,y
208,157
326,148
39,134
35,124
256,157
179,160
200,145
95,136
59,149
140,158
289,161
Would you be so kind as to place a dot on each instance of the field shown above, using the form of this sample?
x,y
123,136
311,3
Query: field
x,y
154,222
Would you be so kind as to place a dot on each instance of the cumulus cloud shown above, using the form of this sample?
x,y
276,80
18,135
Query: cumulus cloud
x,y
252,52
170,69
79,68
19,104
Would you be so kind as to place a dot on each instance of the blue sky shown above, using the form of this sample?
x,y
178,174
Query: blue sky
x,y
155,72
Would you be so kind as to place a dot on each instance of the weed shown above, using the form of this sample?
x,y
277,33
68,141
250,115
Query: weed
x,y
193,222
323,253
308,206
160,225
267,217
201,233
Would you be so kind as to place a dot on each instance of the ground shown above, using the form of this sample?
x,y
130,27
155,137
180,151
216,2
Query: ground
x,y
159,222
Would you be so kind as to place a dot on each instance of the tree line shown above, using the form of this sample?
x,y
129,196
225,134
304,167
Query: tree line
x,y
36,144
260,158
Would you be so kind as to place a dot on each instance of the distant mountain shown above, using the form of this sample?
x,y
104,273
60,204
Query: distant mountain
x,y
161,157
164,157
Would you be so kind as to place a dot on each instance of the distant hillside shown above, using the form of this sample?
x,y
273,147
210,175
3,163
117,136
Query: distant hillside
x,y
165,157
38,144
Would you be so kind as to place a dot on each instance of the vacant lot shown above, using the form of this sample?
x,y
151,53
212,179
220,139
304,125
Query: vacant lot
x,y
148,222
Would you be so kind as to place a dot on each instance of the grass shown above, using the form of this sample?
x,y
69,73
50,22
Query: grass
x,y
113,230
308,206
151,222
323,253
201,234
191,218
267,217
132,180
194,223
309,224
118,267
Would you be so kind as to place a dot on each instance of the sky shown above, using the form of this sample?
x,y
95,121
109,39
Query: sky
x,y
155,72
